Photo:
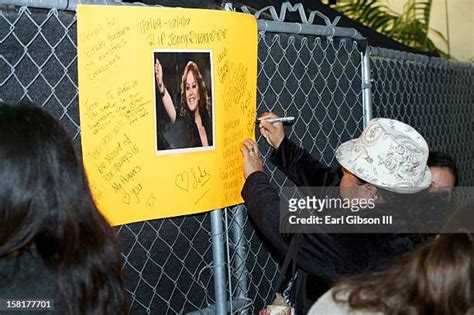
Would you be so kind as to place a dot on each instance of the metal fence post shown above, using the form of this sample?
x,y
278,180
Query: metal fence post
x,y
366,87
218,261
67,5
240,254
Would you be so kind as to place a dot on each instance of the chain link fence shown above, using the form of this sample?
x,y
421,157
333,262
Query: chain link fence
x,y
38,61
433,95
318,81
168,264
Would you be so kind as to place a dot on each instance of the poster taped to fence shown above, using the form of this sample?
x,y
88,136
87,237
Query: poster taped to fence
x,y
166,96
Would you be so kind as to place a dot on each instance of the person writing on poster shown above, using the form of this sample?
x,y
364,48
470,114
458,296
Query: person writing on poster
x,y
194,110
388,160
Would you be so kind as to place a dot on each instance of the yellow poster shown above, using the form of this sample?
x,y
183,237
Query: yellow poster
x,y
166,96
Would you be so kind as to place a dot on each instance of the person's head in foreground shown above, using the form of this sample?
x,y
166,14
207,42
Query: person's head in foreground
x,y
444,173
53,241
388,157
437,278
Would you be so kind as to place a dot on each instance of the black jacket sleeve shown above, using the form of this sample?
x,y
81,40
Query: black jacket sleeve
x,y
262,203
324,255
301,167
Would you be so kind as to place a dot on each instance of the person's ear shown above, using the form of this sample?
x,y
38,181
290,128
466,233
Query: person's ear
x,y
371,190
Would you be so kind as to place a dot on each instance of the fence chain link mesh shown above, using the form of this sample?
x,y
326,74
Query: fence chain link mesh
x,y
38,61
433,95
318,81
168,263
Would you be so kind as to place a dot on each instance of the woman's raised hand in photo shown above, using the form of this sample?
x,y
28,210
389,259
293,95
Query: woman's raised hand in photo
x,y
159,74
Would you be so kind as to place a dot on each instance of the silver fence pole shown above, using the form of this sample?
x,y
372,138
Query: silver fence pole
x,y
240,254
307,29
218,258
67,5
366,87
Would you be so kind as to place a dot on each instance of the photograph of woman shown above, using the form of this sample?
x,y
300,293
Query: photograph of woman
x,y
190,124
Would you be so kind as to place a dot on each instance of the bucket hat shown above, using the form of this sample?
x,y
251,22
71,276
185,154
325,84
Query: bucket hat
x,y
389,154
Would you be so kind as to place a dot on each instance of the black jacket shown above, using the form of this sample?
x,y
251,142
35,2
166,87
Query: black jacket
x,y
321,258
27,277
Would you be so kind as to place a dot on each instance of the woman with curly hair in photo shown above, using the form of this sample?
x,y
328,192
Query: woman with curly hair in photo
x,y
194,109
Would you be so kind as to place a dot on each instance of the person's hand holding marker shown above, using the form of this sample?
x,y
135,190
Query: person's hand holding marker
x,y
284,120
271,127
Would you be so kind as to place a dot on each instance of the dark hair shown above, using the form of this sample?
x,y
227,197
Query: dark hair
x,y
46,205
443,160
438,278
203,105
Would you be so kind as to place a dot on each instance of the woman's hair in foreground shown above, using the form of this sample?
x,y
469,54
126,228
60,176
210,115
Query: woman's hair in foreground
x,y
438,278
45,202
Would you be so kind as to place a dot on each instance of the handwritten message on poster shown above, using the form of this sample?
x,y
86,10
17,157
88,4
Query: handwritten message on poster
x,y
166,97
